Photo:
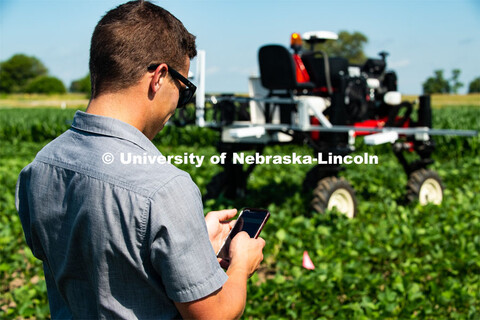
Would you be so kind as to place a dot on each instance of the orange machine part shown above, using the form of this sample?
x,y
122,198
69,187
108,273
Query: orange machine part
x,y
302,74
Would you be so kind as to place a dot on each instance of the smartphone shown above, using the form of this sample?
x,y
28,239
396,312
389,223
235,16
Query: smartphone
x,y
250,220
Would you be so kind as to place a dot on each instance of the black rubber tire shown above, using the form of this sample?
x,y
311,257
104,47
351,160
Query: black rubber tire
x,y
326,187
431,183
311,179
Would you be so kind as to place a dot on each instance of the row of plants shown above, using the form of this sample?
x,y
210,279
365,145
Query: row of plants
x,y
395,260
42,124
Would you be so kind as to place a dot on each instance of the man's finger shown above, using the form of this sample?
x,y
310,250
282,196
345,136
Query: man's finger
x,y
223,215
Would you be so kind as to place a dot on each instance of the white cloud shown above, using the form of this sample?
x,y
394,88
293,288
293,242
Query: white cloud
x,y
212,70
399,63
244,71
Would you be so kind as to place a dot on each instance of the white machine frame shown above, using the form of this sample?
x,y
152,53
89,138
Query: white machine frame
x,y
257,131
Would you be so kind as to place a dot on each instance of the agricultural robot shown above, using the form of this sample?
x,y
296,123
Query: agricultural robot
x,y
303,96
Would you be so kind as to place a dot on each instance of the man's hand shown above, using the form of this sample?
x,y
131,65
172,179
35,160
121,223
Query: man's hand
x,y
218,226
246,253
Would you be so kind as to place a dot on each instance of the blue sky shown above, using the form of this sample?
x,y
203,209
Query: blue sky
x,y
420,35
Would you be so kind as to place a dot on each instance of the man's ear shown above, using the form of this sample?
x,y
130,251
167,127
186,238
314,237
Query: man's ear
x,y
159,77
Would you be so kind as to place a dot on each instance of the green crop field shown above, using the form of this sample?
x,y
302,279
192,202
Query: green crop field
x,y
395,260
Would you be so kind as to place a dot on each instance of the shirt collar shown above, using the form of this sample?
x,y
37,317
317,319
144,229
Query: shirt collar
x,y
107,126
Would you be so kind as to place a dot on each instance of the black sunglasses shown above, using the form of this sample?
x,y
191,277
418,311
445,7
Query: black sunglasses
x,y
186,93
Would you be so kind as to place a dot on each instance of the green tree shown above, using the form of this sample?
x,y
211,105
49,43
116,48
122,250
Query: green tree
x,y
82,85
436,84
17,71
349,45
474,86
45,84
454,83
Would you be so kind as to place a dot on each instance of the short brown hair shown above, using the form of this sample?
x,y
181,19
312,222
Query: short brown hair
x,y
131,37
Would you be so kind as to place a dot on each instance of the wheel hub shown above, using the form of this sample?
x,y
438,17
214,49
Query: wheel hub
x,y
342,201
430,192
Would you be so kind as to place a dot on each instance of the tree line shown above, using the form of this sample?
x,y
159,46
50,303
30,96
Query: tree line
x,y
439,84
27,74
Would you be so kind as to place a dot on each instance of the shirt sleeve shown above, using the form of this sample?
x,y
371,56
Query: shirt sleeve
x,y
180,250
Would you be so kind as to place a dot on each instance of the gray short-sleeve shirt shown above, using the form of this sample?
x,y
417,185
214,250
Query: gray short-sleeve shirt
x,y
117,240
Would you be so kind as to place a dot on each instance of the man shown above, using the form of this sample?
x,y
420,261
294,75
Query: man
x,y
130,241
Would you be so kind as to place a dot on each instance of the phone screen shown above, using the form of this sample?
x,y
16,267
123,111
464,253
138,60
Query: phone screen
x,y
250,221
